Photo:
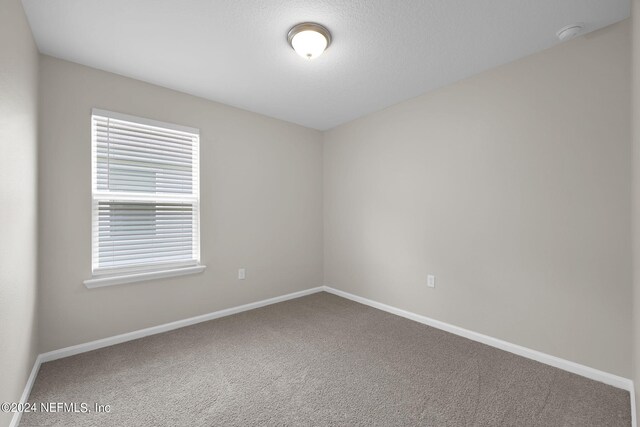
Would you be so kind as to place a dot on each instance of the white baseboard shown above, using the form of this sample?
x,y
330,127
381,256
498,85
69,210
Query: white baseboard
x,y
27,390
129,336
632,396
547,359
566,365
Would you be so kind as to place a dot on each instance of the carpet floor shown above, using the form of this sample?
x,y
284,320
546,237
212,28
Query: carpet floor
x,y
318,360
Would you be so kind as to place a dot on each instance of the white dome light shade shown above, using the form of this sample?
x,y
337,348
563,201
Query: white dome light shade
x,y
309,40
309,44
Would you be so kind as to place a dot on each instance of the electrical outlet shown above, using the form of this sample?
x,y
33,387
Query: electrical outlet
x,y
431,281
241,274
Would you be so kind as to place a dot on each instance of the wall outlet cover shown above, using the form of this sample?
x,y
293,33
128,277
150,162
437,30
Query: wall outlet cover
x,y
431,281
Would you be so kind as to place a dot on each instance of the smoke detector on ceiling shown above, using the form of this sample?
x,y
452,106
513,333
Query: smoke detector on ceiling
x,y
570,31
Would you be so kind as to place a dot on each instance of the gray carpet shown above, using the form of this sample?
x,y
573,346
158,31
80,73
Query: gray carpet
x,y
318,360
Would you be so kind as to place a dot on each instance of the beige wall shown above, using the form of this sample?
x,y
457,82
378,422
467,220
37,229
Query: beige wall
x,y
261,207
512,187
18,163
635,195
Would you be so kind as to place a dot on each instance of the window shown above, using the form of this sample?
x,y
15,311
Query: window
x,y
145,198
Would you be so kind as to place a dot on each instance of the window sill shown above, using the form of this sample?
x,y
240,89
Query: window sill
x,y
98,282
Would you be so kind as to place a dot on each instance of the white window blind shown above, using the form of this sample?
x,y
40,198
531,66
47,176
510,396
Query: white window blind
x,y
145,196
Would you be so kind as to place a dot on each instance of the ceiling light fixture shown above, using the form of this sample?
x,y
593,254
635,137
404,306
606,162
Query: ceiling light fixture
x,y
309,39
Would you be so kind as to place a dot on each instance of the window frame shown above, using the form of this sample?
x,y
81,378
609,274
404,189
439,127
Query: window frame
x,y
117,275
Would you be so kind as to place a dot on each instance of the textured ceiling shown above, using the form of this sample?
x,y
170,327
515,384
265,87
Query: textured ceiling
x,y
235,51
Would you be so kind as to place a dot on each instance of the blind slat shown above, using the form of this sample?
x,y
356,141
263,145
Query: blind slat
x,y
144,253
115,124
116,167
157,140
129,238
